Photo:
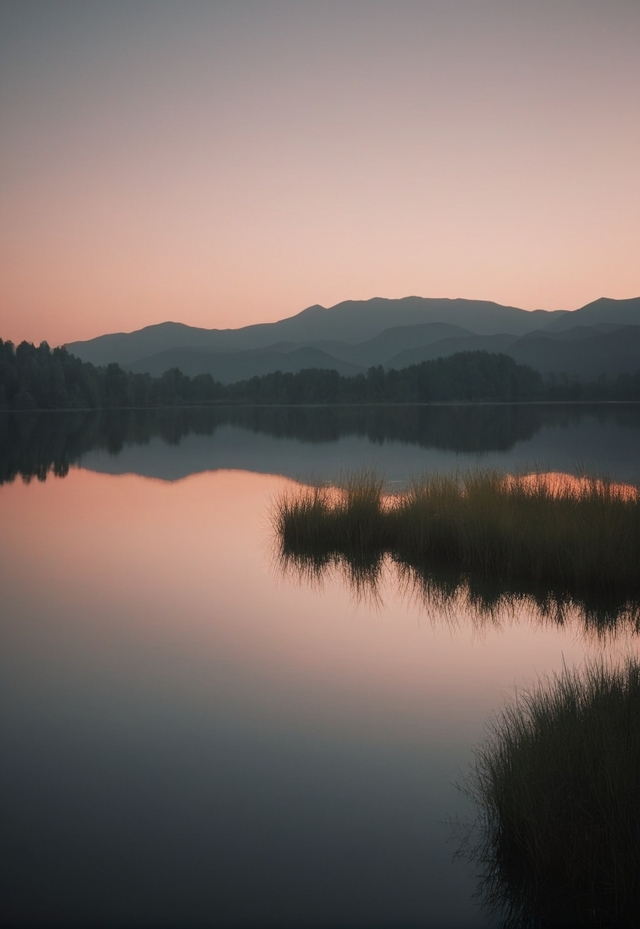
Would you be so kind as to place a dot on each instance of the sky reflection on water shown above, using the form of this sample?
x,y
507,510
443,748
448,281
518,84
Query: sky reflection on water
x,y
192,737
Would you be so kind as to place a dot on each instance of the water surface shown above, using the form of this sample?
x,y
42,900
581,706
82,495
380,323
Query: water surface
x,y
191,737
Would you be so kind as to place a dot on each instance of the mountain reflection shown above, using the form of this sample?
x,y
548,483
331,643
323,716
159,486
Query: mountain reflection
x,y
33,445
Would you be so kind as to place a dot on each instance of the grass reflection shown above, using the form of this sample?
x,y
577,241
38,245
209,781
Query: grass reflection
x,y
557,785
482,540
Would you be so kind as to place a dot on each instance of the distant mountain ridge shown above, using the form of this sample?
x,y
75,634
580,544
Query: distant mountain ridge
x,y
352,321
354,335
228,367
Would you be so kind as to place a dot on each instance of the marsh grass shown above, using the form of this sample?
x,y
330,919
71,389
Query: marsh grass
x,y
583,539
328,525
499,538
557,784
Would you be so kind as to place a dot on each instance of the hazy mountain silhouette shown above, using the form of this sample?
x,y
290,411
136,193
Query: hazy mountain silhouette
x,y
604,310
585,355
384,346
228,367
582,351
354,335
353,321
292,356
445,347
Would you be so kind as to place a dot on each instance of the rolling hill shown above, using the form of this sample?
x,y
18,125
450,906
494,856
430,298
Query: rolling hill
x,y
353,322
228,367
599,338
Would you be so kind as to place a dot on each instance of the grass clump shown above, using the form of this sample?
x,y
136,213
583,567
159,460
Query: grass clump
x,y
577,538
319,525
558,788
571,541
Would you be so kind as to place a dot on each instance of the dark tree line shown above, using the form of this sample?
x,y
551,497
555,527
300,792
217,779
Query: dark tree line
x,y
45,379
466,376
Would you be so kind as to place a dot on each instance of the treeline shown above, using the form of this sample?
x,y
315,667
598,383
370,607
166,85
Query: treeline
x,y
43,378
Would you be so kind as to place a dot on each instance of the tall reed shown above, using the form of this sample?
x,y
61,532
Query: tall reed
x,y
318,525
577,538
557,784
571,542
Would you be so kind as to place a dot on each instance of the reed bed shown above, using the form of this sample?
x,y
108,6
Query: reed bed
x,y
577,540
319,525
558,788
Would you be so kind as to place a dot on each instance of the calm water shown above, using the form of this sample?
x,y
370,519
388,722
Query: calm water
x,y
191,737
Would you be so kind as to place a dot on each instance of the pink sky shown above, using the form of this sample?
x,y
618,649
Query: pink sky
x,y
224,164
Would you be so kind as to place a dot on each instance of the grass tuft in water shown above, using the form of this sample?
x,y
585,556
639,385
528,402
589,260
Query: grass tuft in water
x,y
506,528
317,526
558,788
560,543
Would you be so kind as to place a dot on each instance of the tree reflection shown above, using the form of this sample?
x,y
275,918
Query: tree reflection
x,y
33,445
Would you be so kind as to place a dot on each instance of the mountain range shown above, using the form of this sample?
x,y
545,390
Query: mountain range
x,y
602,337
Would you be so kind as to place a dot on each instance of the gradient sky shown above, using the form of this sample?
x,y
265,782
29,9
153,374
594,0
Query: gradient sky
x,y
227,163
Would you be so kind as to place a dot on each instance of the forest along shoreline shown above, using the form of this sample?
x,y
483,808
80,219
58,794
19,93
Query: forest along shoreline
x,y
41,378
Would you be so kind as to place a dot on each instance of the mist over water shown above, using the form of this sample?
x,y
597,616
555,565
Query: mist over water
x,y
191,736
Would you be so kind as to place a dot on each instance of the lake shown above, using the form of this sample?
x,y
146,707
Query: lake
x,y
191,736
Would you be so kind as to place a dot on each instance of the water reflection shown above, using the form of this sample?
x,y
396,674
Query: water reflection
x,y
189,741
556,783
289,440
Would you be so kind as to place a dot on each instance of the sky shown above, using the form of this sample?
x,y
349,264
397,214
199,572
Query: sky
x,y
221,164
